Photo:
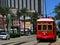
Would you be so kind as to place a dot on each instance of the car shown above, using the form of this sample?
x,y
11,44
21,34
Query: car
x,y
22,30
4,35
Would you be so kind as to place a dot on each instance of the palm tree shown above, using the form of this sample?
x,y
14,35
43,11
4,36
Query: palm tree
x,y
4,12
34,17
18,14
23,12
59,25
57,11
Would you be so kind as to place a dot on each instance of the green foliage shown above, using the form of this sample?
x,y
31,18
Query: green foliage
x,y
59,34
57,8
14,35
18,14
57,16
57,11
59,24
23,11
35,16
4,11
2,30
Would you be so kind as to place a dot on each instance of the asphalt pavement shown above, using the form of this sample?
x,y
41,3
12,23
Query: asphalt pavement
x,y
27,40
18,40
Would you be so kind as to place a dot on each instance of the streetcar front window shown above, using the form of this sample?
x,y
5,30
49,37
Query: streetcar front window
x,y
39,27
49,27
44,27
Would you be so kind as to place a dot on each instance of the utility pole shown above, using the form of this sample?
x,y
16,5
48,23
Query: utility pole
x,y
45,9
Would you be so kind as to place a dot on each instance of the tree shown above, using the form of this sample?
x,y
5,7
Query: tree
x,y
4,12
59,25
57,11
18,14
23,12
34,17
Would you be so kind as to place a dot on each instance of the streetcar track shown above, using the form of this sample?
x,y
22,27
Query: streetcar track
x,y
39,43
17,43
48,43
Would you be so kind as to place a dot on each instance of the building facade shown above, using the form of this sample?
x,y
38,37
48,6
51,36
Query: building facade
x,y
31,5
1,22
34,5
3,3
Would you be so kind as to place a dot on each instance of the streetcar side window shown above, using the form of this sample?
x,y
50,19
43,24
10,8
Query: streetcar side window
x,y
49,27
44,27
39,27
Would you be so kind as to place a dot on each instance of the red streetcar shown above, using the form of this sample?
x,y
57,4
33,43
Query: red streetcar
x,y
46,28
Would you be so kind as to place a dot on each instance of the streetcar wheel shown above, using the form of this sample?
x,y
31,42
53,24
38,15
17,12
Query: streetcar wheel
x,y
54,40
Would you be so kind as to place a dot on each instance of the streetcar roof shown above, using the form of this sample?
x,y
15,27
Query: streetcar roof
x,y
45,19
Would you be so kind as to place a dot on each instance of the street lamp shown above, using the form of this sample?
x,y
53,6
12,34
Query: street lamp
x,y
24,24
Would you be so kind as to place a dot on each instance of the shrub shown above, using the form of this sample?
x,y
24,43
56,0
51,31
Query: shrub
x,y
2,30
13,35
59,35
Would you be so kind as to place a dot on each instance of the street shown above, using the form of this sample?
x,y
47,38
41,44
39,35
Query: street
x,y
17,41
27,40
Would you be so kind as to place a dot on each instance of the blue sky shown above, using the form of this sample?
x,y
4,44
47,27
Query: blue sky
x,y
50,4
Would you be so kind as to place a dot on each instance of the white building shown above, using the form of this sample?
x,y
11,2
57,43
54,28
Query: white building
x,y
36,5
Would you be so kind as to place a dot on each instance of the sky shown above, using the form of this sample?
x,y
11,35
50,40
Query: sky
x,y
50,5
